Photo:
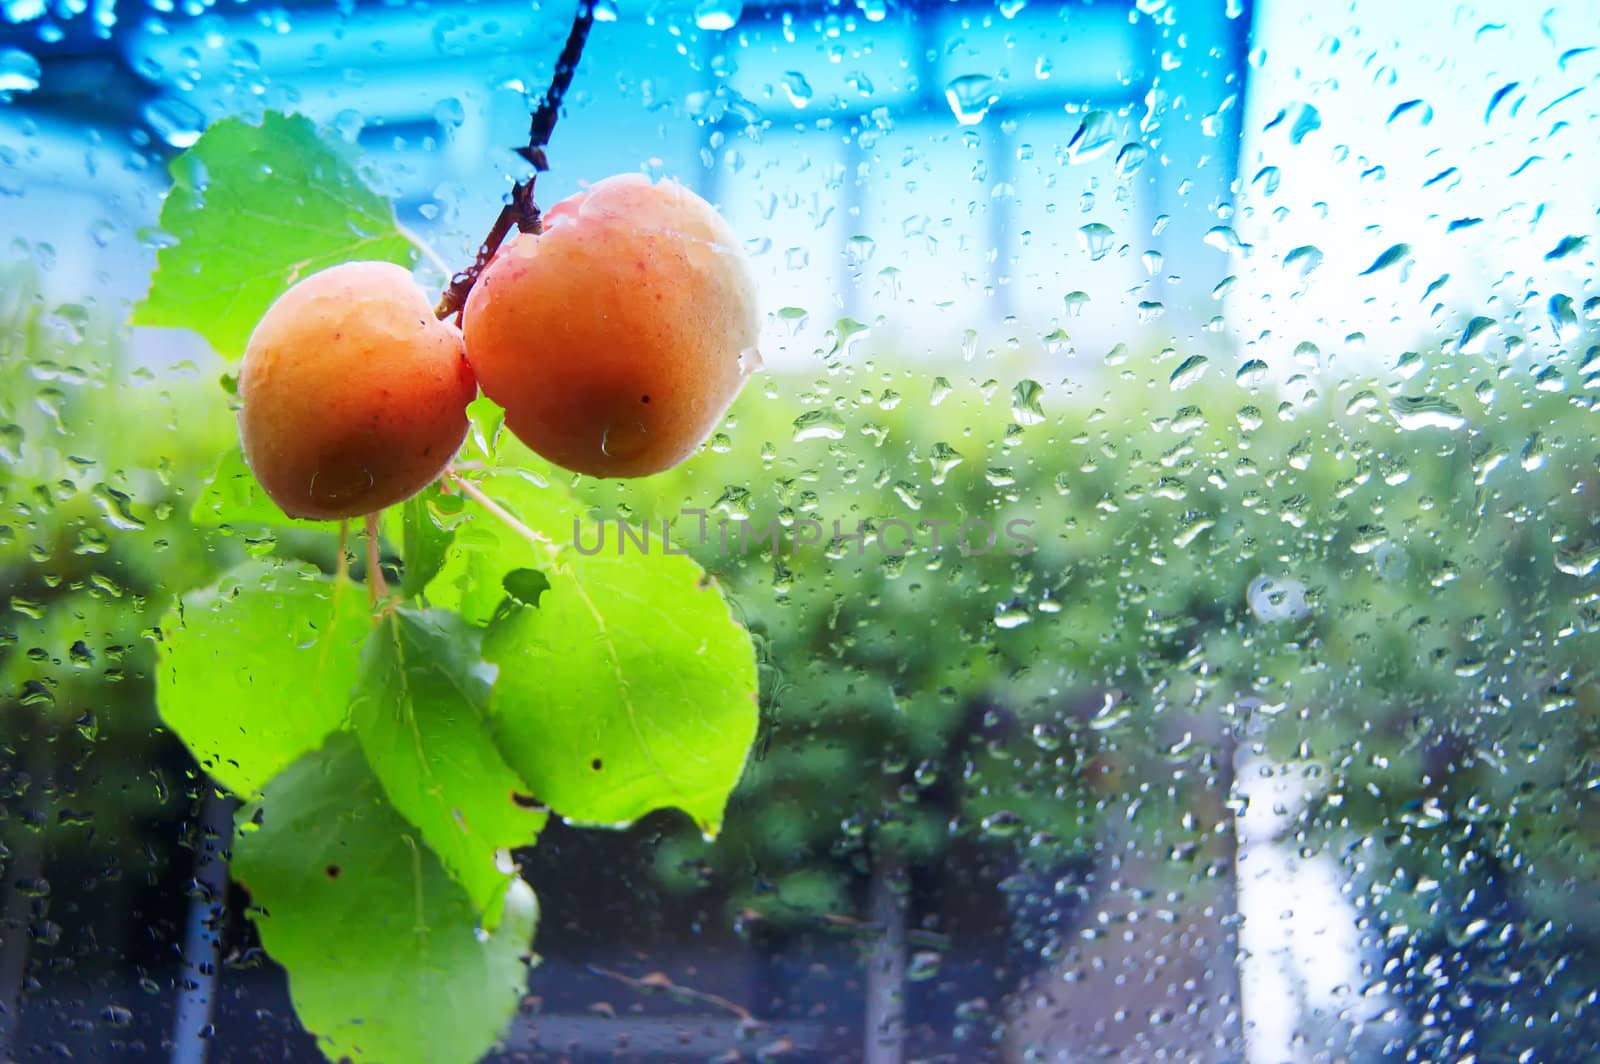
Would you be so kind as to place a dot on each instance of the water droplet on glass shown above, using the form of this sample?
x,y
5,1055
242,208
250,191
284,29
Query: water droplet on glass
x,y
118,508
177,122
718,14
1095,135
19,70
1025,409
1131,158
1578,559
1390,256
1308,121
1097,239
1277,600
449,113
1563,318
818,424
797,88
1426,412
1305,258
943,459
1112,712
19,11
1252,374
1368,538
1188,372
1567,246
605,11
924,963
1223,238
793,319
970,96
1533,452
1002,825
1473,337
858,250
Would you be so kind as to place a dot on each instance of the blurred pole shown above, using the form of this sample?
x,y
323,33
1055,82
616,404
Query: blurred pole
x,y
191,1030
886,966
22,878
14,937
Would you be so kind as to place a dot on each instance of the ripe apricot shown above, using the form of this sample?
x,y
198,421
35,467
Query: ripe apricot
x,y
353,395
617,337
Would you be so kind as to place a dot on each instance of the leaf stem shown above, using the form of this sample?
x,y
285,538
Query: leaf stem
x,y
521,211
498,512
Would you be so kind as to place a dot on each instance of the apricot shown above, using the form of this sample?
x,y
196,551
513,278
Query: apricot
x,y
353,395
616,338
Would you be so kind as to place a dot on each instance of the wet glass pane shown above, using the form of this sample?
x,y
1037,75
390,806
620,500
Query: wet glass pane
x,y
886,531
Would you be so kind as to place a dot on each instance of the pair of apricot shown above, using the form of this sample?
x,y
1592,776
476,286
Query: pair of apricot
x,y
615,340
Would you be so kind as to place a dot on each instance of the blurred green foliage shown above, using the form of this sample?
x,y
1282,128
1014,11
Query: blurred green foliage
x,y
1382,584
1382,581
95,540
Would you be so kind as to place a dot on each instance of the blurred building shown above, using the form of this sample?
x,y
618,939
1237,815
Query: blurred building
x,y
958,177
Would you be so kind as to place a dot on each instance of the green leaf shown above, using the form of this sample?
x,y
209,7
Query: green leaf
x,y
232,496
425,535
629,688
420,714
252,210
485,550
257,669
525,586
385,958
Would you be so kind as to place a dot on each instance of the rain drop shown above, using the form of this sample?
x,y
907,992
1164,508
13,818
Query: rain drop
x,y
19,71
718,15
970,97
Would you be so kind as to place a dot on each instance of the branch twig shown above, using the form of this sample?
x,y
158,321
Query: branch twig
x,y
521,211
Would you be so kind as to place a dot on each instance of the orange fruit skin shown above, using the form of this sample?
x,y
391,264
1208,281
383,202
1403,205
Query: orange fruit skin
x,y
353,395
617,338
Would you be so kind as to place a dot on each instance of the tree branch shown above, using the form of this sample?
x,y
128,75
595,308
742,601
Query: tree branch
x,y
522,212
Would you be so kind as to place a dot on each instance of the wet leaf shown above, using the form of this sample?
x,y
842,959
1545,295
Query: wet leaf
x,y
385,957
253,209
420,713
630,688
257,669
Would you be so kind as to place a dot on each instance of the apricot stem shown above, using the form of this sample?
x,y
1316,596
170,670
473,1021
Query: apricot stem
x,y
521,211
342,568
377,588
498,512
